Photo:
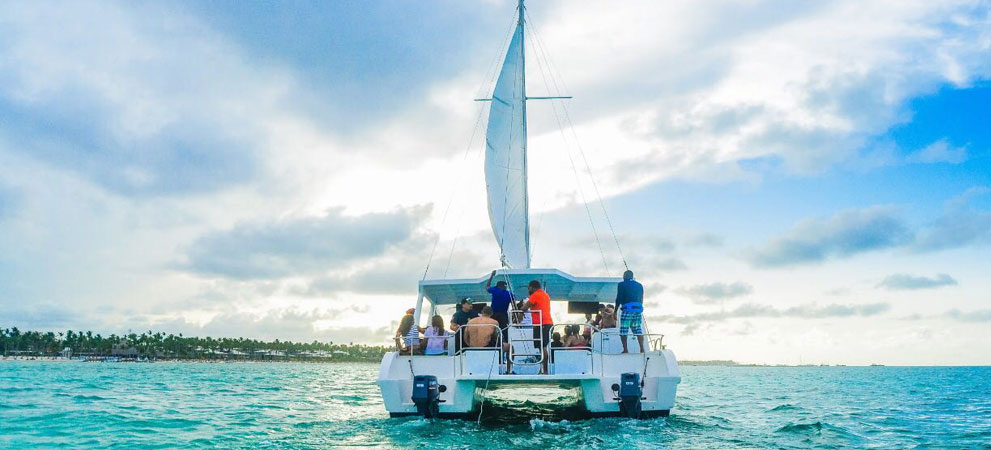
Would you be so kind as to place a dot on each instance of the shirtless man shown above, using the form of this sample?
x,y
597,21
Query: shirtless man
x,y
482,336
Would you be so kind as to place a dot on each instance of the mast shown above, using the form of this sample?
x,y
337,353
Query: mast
x,y
526,189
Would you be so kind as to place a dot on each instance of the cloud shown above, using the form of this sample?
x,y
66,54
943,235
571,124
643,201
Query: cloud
x,y
902,281
940,152
705,240
851,232
396,272
713,292
138,100
299,246
980,315
839,291
960,224
148,133
806,311
44,317
753,86
8,201
845,234
670,264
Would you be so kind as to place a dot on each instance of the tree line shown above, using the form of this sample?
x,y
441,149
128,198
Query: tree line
x,y
154,345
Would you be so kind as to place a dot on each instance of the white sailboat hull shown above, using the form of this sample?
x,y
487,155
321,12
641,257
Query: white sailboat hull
x,y
594,375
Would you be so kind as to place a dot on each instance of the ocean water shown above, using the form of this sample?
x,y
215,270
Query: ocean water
x,y
312,406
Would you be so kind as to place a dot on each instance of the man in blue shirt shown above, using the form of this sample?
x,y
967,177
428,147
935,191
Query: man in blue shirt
x,y
501,301
629,300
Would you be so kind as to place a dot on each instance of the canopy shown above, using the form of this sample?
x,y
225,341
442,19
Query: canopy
x,y
559,285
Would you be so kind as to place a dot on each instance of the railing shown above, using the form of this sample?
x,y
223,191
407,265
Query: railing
x,y
653,342
496,358
465,346
537,336
581,326
400,340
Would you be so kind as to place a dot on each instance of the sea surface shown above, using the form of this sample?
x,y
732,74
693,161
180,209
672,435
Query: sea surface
x,y
313,406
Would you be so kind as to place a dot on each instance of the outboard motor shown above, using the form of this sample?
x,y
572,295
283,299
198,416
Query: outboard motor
x,y
630,393
426,395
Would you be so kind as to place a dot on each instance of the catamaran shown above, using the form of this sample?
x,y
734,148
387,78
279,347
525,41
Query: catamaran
x,y
639,384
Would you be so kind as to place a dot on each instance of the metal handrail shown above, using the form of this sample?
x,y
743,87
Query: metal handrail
x,y
584,324
653,340
498,334
400,340
532,326
497,348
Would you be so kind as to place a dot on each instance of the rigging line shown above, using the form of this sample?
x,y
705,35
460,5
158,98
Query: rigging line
x,y
543,202
500,53
491,70
450,201
551,67
574,168
457,231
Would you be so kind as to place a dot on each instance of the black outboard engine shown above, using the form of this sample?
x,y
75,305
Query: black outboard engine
x,y
630,392
426,395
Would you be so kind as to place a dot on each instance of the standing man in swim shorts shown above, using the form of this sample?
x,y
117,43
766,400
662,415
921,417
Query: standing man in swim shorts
x,y
629,303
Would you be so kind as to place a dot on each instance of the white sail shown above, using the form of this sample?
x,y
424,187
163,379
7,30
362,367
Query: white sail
x,y
505,158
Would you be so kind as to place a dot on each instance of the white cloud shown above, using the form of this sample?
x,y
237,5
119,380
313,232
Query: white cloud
x,y
845,234
182,132
713,292
940,151
902,281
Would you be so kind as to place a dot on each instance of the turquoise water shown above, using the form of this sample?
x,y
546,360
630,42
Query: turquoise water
x,y
311,406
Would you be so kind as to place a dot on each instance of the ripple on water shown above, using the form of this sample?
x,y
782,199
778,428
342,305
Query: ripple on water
x,y
283,406
786,407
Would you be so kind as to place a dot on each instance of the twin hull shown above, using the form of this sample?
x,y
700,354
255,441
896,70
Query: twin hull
x,y
463,378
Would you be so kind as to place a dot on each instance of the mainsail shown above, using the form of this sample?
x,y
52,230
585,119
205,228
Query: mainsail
x,y
505,157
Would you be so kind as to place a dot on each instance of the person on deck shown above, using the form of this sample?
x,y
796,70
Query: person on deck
x,y
461,317
587,329
572,338
629,301
435,337
408,334
540,301
482,336
501,300
607,317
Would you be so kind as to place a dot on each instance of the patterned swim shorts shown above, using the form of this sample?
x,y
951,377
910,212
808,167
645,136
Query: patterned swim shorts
x,y
630,321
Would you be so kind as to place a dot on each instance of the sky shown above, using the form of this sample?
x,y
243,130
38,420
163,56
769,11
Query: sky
x,y
800,182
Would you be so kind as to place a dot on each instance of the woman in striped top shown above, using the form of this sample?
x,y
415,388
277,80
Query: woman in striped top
x,y
410,335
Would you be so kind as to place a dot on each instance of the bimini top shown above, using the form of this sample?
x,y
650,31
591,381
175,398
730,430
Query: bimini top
x,y
559,285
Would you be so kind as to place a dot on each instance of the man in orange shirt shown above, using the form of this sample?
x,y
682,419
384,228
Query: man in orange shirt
x,y
540,301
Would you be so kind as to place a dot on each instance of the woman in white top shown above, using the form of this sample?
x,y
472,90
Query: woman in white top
x,y
436,337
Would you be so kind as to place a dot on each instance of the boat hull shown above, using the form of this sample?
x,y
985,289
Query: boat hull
x,y
468,378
